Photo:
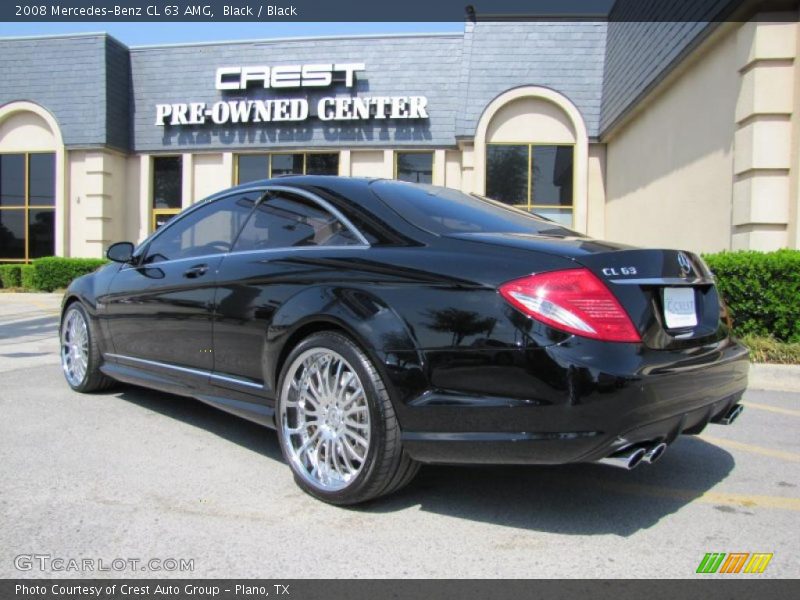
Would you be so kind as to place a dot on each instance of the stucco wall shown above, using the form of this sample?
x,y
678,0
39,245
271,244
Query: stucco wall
x,y
212,173
98,201
596,191
762,163
669,170
371,163
26,132
134,230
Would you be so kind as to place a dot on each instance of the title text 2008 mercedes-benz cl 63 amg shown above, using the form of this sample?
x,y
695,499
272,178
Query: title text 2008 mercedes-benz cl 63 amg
x,y
378,325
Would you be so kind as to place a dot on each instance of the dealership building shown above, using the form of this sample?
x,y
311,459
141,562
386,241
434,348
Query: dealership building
x,y
659,134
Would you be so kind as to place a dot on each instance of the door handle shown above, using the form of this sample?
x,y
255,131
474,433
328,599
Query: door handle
x,y
195,271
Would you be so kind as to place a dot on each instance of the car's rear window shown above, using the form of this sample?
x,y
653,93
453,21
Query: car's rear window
x,y
444,211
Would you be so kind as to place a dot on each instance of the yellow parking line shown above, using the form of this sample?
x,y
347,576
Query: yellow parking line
x,y
781,454
741,500
775,409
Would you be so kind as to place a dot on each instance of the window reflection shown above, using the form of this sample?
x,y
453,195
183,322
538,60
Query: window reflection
x,y
286,220
12,234
41,229
286,164
254,167
534,177
27,213
12,180
416,167
552,175
167,182
507,174
318,163
209,229
42,180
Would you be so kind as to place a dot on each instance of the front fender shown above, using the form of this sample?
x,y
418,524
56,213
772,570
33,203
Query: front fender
x,y
88,289
380,332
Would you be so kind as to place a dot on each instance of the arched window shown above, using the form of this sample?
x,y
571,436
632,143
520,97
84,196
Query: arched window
x,y
531,151
30,154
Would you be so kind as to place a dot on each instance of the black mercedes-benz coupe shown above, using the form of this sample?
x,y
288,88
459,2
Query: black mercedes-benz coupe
x,y
378,325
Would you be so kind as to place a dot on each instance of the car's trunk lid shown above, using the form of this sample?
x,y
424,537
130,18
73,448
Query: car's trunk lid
x,y
669,294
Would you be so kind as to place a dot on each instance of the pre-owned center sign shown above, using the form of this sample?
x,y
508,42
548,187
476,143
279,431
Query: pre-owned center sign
x,y
329,108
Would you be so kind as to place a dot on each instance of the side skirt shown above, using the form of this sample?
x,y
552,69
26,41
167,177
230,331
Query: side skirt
x,y
190,383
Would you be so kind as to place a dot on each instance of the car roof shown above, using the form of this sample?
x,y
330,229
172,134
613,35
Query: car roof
x,y
308,180
335,183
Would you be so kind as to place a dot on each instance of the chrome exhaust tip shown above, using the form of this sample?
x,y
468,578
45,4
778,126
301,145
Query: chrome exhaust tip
x,y
654,453
731,415
624,459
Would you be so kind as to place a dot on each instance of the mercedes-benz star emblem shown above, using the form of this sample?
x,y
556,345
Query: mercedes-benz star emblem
x,y
684,264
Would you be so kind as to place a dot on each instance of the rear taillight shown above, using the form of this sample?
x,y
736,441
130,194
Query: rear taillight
x,y
575,301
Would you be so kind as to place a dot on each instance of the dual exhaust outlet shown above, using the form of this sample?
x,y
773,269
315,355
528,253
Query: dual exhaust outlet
x,y
729,417
630,458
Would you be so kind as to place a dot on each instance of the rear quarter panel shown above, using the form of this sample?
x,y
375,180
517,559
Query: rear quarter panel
x,y
419,312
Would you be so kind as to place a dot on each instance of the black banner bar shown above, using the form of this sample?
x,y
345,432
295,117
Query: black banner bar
x,y
371,10
733,587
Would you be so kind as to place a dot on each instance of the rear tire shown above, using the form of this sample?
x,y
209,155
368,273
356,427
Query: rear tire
x,y
80,355
336,423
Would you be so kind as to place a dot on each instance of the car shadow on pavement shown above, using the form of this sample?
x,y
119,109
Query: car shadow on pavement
x,y
41,327
193,412
581,499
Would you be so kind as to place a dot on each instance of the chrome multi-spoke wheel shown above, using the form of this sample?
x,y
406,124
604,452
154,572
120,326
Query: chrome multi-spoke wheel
x,y
75,347
336,422
80,353
324,419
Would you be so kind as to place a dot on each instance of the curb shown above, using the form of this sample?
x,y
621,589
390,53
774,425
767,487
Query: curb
x,y
23,295
779,378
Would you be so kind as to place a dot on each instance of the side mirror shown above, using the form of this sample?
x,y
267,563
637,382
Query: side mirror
x,y
120,252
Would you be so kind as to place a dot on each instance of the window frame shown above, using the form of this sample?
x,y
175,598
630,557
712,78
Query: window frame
x,y
397,154
529,205
158,212
26,207
141,251
304,153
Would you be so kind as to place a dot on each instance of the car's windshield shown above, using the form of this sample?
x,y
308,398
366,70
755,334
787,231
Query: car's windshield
x,y
444,211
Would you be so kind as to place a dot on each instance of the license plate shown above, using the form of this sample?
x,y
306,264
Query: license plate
x,y
679,308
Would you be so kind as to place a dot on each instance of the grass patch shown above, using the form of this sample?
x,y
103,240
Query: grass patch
x,y
769,350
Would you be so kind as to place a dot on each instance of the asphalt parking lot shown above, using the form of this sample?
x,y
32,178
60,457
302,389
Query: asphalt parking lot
x,y
137,474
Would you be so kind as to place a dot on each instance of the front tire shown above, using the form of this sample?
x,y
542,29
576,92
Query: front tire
x,y
80,355
336,424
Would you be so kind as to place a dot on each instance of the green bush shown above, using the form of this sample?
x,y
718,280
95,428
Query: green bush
x,y
769,350
10,276
28,277
762,291
55,272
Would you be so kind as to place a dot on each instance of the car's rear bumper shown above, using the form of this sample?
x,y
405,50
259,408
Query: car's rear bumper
x,y
582,409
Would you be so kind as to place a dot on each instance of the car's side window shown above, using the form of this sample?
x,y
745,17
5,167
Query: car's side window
x,y
286,220
210,229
